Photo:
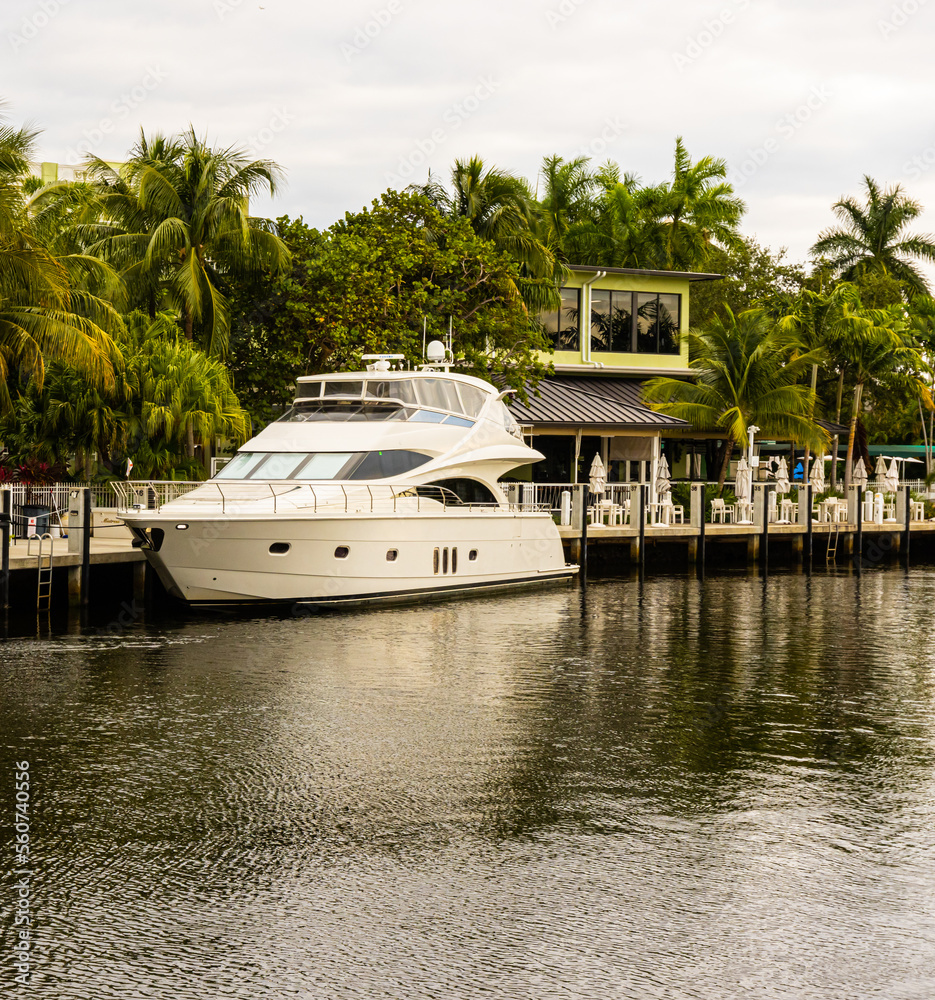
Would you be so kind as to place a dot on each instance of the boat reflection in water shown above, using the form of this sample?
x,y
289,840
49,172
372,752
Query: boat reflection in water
x,y
374,486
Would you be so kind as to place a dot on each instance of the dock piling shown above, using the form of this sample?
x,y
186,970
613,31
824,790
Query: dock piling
x,y
6,523
642,563
907,513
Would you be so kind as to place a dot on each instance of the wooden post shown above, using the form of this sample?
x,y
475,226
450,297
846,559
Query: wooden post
x,y
583,571
859,557
6,523
764,544
642,528
808,526
79,541
697,519
906,527
139,582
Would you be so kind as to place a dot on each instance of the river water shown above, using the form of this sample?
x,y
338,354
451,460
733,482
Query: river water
x,y
670,789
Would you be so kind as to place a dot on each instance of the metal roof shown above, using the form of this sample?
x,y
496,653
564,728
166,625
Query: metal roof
x,y
575,401
645,272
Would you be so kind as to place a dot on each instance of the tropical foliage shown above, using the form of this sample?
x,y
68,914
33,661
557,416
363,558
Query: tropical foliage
x,y
748,372
371,284
162,385
50,306
873,238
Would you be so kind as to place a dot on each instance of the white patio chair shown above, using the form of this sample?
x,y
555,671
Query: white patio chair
x,y
721,512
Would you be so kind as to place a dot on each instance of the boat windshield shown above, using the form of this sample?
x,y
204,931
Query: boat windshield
x,y
322,465
338,410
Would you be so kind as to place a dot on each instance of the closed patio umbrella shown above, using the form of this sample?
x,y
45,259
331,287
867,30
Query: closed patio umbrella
x,y
891,479
879,470
742,480
817,476
662,476
597,475
782,477
859,476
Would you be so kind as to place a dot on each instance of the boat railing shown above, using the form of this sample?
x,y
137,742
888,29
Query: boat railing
x,y
241,497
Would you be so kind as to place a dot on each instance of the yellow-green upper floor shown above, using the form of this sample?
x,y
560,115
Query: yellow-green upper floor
x,y
622,319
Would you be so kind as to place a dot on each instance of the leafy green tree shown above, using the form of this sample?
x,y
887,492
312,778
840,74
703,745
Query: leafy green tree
x,y
873,238
500,208
876,347
748,372
367,284
174,219
754,278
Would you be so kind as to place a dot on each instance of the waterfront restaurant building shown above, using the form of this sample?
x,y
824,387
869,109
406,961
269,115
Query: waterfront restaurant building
x,y
616,328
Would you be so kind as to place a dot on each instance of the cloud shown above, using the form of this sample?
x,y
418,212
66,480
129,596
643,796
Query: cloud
x,y
352,120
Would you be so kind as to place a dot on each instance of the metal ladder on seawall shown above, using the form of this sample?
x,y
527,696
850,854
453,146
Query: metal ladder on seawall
x,y
44,581
833,534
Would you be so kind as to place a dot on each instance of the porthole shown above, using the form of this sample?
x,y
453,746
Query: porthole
x,y
342,552
454,560
445,560
472,555
279,548
435,561
391,555
181,527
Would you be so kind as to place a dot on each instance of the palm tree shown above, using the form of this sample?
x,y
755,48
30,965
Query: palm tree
x,y
177,390
876,345
175,220
631,234
163,386
747,373
922,322
873,238
48,309
567,210
699,210
500,208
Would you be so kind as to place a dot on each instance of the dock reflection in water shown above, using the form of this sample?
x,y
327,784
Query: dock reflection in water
x,y
716,790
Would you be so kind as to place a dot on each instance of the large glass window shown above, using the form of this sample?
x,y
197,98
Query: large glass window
x,y
669,322
600,320
622,322
657,323
611,321
562,324
568,339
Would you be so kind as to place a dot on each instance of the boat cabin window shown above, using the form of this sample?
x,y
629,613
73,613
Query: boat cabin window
x,y
283,465
322,465
467,490
430,393
343,389
398,389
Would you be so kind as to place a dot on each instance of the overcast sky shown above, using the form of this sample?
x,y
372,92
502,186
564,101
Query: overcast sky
x,y
801,100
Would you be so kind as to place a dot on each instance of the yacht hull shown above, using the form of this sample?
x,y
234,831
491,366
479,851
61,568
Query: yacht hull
x,y
350,559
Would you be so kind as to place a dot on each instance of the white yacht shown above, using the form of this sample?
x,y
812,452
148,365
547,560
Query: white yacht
x,y
374,486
